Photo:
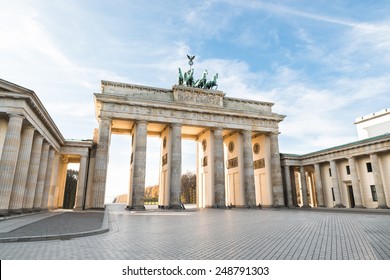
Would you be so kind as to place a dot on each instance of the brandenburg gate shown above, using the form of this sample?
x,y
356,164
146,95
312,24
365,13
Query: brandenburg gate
x,y
238,161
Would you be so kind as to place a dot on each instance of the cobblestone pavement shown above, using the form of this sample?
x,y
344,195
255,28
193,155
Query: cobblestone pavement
x,y
237,234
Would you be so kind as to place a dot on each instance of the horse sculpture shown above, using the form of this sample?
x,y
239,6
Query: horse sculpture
x,y
213,83
202,82
181,80
189,78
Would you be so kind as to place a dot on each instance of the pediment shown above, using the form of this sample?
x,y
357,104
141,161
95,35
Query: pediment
x,y
6,86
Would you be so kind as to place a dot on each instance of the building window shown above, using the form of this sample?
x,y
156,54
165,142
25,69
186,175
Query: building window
x,y
373,193
348,170
330,172
334,199
369,167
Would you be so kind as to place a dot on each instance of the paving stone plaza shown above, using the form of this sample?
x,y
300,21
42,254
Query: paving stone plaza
x,y
213,234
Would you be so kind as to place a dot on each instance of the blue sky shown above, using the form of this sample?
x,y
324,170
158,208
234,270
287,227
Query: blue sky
x,y
323,63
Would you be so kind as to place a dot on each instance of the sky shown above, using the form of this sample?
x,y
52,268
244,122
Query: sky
x,y
322,63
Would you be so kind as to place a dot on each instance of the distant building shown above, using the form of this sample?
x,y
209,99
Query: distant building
x,y
374,124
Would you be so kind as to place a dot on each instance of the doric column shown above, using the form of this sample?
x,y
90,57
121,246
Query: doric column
x,y
137,180
355,183
61,181
175,180
287,175
249,177
294,186
318,183
41,177
101,163
19,185
8,160
378,181
80,192
305,202
336,184
52,204
32,175
46,188
219,171
276,172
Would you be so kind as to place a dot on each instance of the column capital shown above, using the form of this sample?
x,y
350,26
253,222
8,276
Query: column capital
x,y
243,132
29,127
176,125
141,121
105,118
15,115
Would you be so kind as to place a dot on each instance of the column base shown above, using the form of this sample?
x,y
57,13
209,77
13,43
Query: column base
x,y
359,207
16,211
220,206
177,206
339,206
4,212
135,208
279,206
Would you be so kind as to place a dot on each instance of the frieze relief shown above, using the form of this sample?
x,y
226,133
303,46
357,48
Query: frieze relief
x,y
186,115
198,97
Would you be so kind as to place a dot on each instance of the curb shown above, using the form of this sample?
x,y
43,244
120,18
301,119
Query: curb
x,y
103,229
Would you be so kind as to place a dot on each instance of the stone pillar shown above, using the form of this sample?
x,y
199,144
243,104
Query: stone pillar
x,y
41,177
219,170
8,160
80,192
52,204
175,181
355,183
32,175
294,187
101,163
137,176
378,181
61,181
336,184
249,177
276,172
49,171
91,168
319,188
20,179
305,202
287,175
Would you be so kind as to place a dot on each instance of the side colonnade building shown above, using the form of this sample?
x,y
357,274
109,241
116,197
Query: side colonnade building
x,y
34,154
354,175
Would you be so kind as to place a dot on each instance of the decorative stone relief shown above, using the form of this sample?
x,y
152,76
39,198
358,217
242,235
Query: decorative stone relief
x,y
231,163
260,163
197,96
164,159
204,161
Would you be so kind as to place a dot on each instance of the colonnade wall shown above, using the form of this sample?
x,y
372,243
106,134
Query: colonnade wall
x,y
354,175
32,153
